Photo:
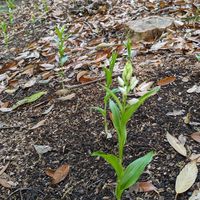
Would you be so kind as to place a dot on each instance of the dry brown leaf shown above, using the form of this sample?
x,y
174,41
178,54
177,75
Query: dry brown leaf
x,y
196,136
83,78
146,186
176,144
5,183
166,80
68,97
59,174
186,177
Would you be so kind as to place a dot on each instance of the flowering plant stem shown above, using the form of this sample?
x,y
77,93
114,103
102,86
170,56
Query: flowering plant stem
x,y
122,111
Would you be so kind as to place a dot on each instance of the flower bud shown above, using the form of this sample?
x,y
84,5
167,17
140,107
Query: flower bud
x,y
120,81
128,71
133,82
122,90
133,101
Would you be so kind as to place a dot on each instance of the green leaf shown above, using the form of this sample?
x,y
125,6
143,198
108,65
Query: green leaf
x,y
133,108
102,111
198,57
63,60
112,160
29,99
116,115
112,94
107,96
134,170
108,75
112,62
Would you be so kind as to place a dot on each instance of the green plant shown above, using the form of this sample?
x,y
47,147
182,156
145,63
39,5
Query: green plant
x,y
108,74
60,41
11,7
45,5
4,28
198,57
122,110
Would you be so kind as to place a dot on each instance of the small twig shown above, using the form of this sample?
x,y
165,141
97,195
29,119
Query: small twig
x,y
9,127
22,189
94,81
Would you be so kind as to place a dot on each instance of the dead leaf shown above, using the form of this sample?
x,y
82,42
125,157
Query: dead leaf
x,y
176,113
196,157
68,97
41,149
166,80
196,136
39,124
62,92
176,144
83,78
48,110
195,195
59,174
186,177
146,186
47,66
30,83
5,183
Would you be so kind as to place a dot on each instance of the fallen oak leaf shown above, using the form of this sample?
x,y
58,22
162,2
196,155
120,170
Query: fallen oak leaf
x,y
196,136
186,177
59,174
166,80
83,77
5,183
176,144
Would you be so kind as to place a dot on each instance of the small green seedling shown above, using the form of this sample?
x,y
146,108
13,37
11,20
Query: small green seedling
x,y
11,7
122,110
45,5
60,41
4,28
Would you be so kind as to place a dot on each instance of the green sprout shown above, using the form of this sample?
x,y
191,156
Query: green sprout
x,y
122,110
108,74
60,41
45,5
4,28
11,7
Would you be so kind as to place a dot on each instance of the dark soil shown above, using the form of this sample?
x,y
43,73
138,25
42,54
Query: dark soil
x,y
75,131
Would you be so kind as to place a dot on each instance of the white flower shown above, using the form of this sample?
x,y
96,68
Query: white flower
x,y
120,81
122,90
133,82
133,101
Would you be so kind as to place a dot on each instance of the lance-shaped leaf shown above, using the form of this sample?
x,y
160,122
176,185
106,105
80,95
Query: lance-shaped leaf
x,y
134,170
186,177
29,99
112,160
100,110
133,108
176,144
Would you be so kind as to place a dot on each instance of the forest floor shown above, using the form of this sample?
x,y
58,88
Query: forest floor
x,y
70,127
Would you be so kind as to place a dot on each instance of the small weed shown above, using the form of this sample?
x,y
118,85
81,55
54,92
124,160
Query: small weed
x,y
60,41
45,5
11,7
4,28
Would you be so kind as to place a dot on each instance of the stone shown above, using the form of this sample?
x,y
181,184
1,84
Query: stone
x,y
149,28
